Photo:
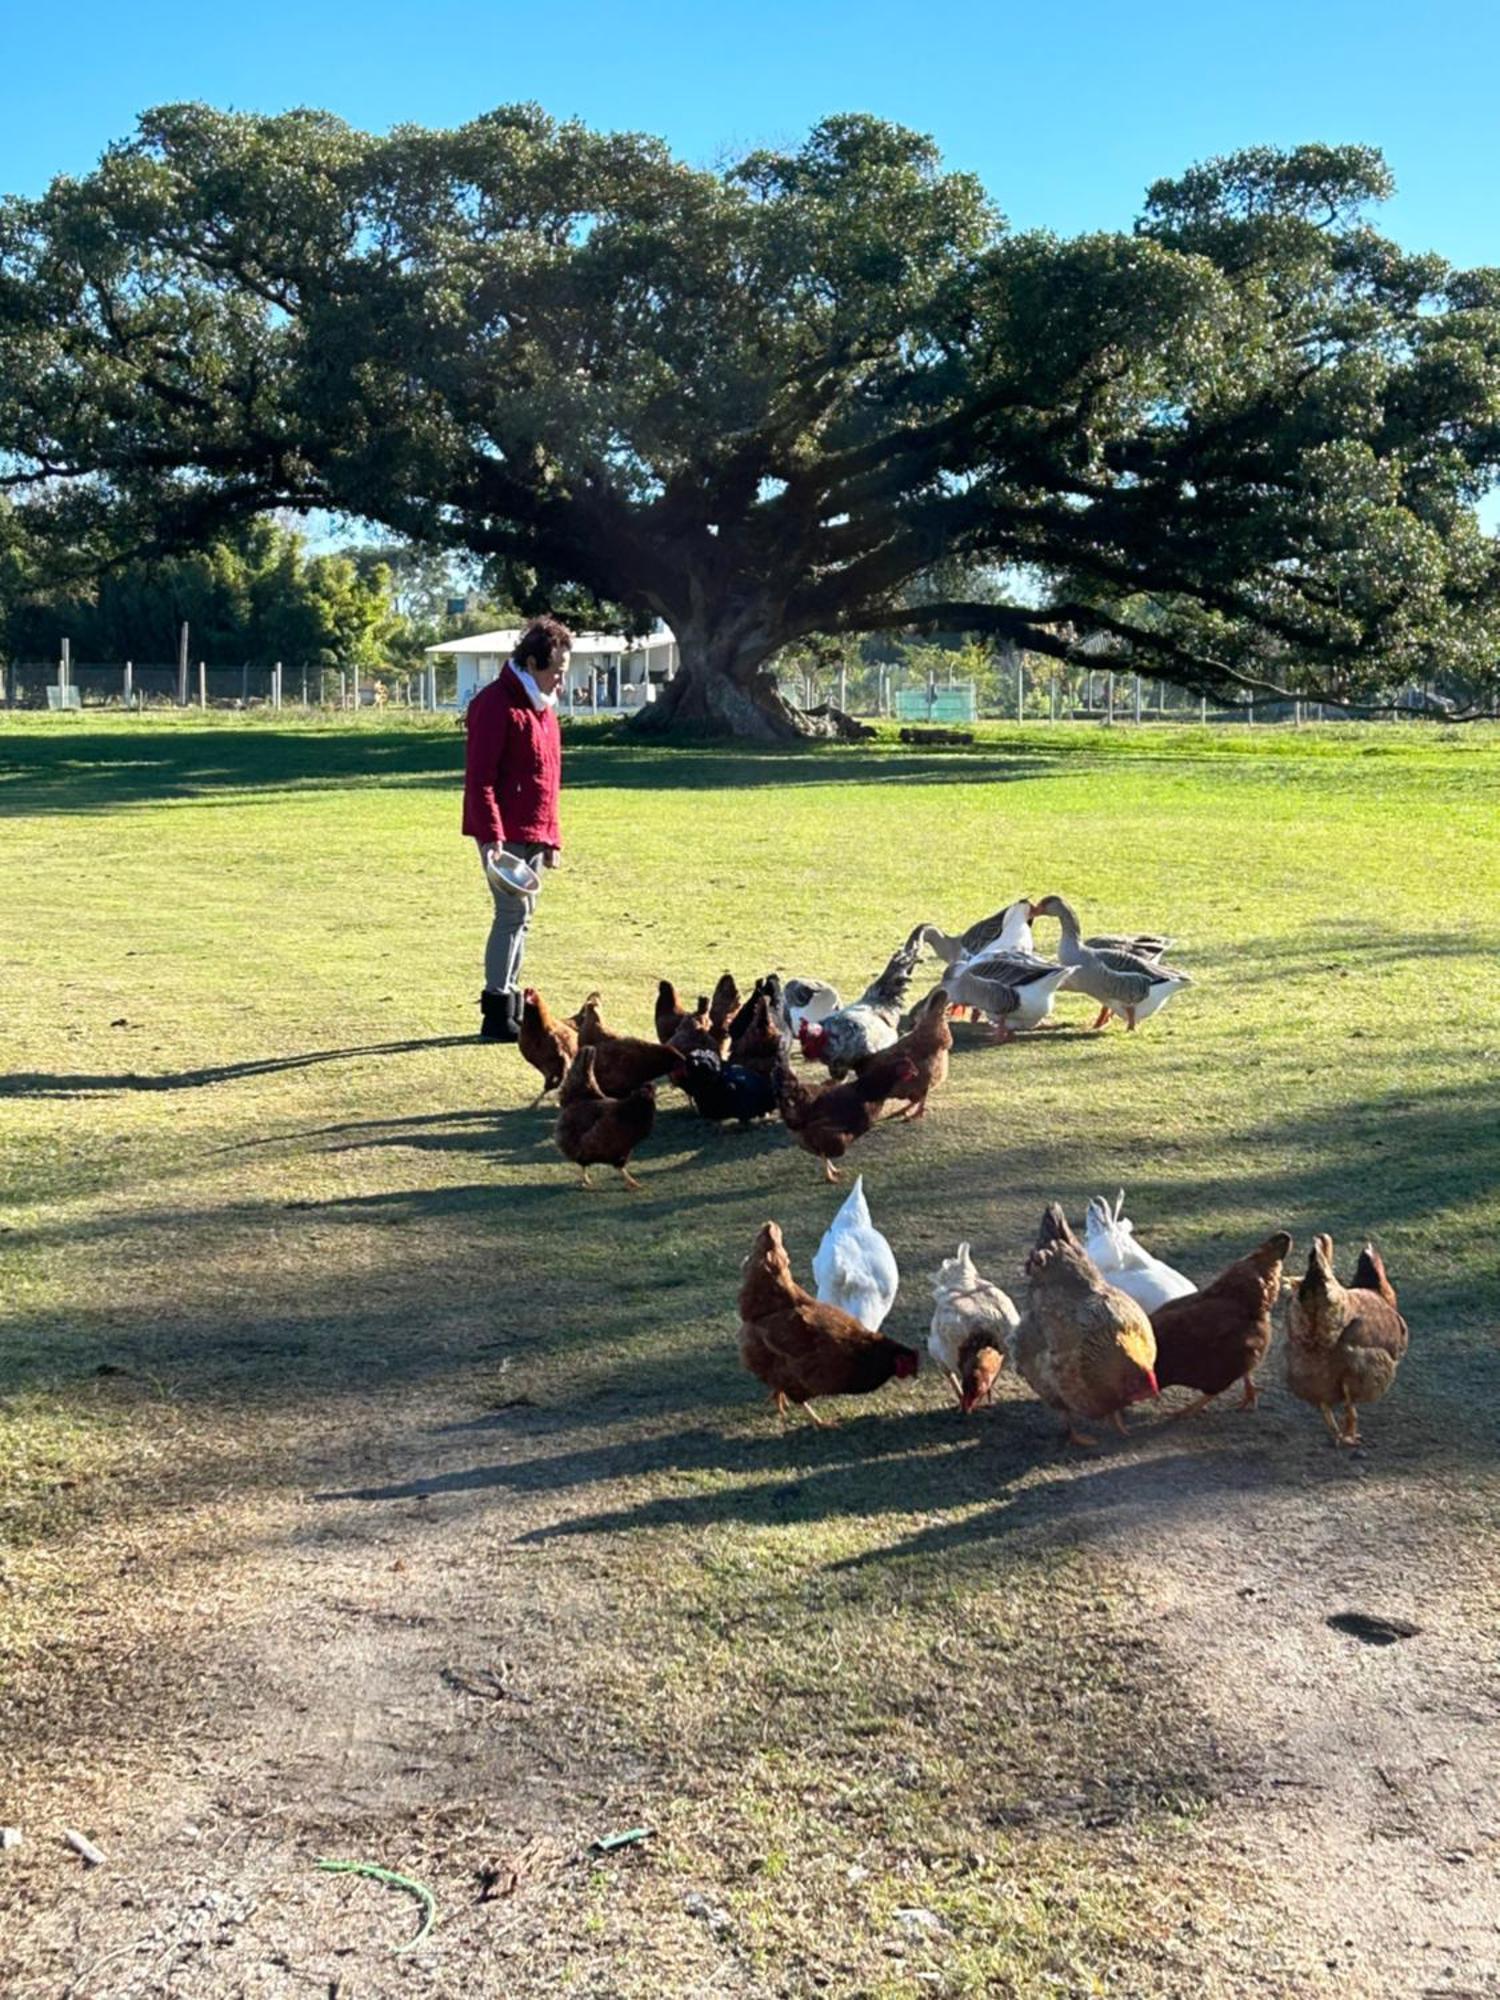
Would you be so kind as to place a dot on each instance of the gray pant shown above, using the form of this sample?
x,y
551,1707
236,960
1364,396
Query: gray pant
x,y
506,946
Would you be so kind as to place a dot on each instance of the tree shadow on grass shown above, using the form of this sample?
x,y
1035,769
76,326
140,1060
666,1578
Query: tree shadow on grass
x,y
37,1083
86,773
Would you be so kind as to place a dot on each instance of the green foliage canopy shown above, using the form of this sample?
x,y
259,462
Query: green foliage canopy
x,y
252,595
1246,440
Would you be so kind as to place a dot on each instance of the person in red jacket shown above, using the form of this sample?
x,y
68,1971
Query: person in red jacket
x,y
512,775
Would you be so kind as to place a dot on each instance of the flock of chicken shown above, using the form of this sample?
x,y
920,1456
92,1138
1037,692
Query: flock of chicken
x,y
1105,1325
732,1057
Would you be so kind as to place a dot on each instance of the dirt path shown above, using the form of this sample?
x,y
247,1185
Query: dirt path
x,y
413,1625
1366,1794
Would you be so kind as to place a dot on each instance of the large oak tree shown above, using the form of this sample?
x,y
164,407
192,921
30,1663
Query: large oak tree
x,y
1244,441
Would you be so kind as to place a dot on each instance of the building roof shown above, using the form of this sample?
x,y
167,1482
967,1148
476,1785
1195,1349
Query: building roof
x,y
501,644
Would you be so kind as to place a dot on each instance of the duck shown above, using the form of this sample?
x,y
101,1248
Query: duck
x,y
1126,983
855,1267
1109,1238
1014,988
1007,930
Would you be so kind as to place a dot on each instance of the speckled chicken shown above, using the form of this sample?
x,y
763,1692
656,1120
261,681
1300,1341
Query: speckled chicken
x,y
1344,1343
1086,1349
871,1023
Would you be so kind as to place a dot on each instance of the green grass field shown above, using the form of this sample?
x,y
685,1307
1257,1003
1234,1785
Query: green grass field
x,y
274,1226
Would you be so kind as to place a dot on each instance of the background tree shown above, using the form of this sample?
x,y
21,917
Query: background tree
x,y
756,404
255,595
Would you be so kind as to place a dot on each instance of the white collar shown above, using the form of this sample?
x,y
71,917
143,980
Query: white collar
x,y
533,693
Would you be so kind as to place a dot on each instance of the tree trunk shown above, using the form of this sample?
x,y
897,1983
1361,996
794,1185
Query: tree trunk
x,y
724,688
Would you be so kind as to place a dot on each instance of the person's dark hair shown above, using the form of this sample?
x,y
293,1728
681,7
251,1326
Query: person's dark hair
x,y
546,642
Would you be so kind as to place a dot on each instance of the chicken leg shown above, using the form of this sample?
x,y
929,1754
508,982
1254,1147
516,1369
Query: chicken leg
x,y
630,1180
1251,1396
780,1398
1072,1435
1192,1409
1101,1020
1350,1434
1328,1418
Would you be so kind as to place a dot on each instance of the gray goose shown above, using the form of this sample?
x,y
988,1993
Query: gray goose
x,y
1127,983
1015,988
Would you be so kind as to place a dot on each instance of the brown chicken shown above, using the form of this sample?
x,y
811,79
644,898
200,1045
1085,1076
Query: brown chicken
x,y
548,1044
696,1031
759,1040
670,1012
826,1125
1343,1343
595,1130
589,1022
724,1003
926,1046
801,1349
1085,1348
1210,1339
624,1062
980,1364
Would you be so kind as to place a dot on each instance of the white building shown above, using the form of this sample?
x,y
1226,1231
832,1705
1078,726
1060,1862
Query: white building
x,y
608,674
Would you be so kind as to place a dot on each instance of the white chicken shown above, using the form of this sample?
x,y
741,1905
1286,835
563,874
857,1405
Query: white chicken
x,y
1109,1238
972,1319
855,1268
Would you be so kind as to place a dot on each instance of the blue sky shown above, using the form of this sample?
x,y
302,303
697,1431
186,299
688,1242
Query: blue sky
x,y
1065,113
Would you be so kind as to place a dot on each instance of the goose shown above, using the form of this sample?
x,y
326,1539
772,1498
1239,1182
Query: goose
x,y
1015,988
1123,982
1007,930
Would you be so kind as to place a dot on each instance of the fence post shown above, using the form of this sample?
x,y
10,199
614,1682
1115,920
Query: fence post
x,y
1250,712
1203,709
65,665
343,689
202,685
182,666
1020,691
1109,697
125,684
1137,697
276,687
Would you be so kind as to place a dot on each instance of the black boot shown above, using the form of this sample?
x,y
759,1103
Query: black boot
x,y
497,1017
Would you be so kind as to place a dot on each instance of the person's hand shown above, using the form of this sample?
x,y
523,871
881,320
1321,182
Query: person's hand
x,y
552,858
491,852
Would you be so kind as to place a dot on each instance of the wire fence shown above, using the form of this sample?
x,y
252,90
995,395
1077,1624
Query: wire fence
x,y
1023,693
140,685
1013,692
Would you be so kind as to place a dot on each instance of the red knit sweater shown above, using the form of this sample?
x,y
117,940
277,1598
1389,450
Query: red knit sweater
x,y
513,769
